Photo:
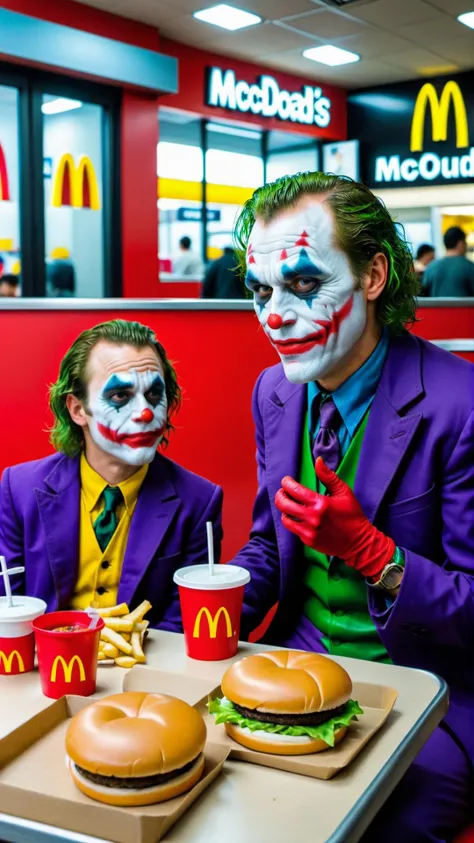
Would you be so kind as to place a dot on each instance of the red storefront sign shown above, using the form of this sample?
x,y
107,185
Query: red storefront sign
x,y
220,87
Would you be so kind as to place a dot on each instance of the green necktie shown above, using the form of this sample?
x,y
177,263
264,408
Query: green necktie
x,y
106,524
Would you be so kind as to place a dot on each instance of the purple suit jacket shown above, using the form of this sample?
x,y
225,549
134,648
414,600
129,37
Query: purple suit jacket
x,y
415,481
39,528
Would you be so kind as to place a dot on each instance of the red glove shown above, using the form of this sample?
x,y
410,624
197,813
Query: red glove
x,y
334,523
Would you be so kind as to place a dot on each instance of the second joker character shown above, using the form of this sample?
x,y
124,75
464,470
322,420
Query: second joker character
x,y
363,529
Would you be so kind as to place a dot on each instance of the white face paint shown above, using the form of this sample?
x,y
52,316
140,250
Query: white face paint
x,y
129,413
304,289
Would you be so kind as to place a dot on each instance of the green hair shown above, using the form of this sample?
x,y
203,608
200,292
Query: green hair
x,y
66,436
363,228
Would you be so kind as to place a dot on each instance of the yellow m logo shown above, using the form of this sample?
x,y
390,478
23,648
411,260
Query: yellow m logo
x,y
75,186
213,622
439,115
7,661
67,669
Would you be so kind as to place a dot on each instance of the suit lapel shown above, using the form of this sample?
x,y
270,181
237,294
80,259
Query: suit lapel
x,y
59,511
392,424
154,512
283,419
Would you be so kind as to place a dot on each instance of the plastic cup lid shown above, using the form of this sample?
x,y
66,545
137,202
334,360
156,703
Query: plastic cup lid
x,y
224,576
23,609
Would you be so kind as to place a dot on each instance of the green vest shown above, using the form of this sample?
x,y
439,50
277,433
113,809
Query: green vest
x,y
337,595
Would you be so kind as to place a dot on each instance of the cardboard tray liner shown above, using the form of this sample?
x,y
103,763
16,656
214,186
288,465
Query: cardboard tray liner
x,y
35,783
377,702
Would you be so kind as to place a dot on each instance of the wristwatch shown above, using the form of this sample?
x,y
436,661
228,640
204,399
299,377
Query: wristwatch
x,y
391,576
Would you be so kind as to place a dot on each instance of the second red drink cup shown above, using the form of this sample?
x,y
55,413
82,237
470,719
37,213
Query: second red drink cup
x,y
211,606
67,660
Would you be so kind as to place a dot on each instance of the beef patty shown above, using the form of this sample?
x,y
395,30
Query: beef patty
x,y
313,719
136,783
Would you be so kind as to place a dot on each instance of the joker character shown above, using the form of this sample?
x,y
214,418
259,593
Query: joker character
x,y
108,519
363,529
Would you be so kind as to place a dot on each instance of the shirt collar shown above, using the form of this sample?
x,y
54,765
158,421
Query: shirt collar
x,y
93,485
353,397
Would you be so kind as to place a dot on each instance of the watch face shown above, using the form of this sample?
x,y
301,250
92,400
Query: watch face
x,y
392,577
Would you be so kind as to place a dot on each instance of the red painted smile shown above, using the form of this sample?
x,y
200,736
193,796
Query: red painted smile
x,y
134,440
328,327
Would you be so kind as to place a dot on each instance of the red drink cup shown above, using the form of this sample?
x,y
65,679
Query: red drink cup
x,y
211,606
17,642
67,661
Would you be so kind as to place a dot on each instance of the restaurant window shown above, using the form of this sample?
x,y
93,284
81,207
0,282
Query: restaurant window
x,y
180,168
10,245
290,153
73,197
59,184
234,169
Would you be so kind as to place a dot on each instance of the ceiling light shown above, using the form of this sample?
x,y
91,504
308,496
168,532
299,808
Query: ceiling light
x,y
60,104
233,130
330,55
227,17
467,19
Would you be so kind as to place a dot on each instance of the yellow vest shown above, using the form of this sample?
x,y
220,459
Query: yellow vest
x,y
99,572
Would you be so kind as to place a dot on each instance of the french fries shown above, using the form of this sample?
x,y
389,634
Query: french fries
x,y
121,639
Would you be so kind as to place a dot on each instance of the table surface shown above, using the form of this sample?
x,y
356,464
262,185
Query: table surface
x,y
258,804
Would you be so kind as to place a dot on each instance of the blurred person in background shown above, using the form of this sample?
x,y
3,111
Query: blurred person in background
x,y
222,280
187,263
453,275
9,286
425,254
60,274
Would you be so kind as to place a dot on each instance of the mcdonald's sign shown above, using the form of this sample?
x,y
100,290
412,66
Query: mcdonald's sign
x,y
4,184
68,669
440,110
212,622
7,662
75,185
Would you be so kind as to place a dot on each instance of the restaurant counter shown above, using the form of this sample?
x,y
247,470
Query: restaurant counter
x,y
218,348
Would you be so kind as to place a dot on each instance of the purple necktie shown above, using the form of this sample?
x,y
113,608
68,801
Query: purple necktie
x,y
326,443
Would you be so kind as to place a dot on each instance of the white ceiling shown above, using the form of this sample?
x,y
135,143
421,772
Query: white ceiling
x,y
396,39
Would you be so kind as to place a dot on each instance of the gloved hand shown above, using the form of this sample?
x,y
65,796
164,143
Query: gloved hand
x,y
334,523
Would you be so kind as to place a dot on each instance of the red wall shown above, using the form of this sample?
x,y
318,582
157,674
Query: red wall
x,y
192,80
218,355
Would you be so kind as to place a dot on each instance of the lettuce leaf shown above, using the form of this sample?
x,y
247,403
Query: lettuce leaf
x,y
225,712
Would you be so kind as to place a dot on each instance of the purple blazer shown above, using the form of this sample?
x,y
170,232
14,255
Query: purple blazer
x,y
39,528
415,481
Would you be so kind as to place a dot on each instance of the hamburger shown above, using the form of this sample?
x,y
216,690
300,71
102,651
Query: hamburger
x,y
286,702
136,749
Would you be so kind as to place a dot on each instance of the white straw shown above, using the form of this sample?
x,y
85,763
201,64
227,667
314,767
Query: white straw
x,y
210,547
94,616
6,573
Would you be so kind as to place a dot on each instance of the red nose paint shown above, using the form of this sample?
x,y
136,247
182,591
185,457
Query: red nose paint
x,y
274,321
146,416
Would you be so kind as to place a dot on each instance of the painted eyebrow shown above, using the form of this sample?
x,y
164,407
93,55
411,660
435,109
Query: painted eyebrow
x,y
158,381
305,268
115,382
251,279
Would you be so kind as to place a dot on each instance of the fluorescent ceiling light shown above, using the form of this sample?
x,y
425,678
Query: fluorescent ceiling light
x,y
233,130
60,104
330,55
227,17
467,19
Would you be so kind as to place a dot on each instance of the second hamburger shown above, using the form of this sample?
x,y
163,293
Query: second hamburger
x,y
286,702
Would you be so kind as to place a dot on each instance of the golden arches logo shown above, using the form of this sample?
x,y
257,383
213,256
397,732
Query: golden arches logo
x,y
67,669
440,107
7,661
212,622
75,186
